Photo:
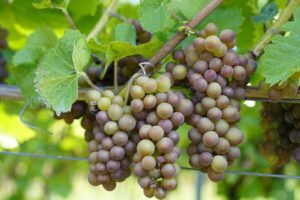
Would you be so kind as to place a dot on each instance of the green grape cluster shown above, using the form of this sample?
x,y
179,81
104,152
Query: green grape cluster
x,y
217,76
159,113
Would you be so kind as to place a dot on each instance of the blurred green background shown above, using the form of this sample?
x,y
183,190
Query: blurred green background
x,y
35,178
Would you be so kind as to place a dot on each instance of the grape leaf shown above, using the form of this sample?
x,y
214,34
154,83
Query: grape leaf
x,y
188,8
117,50
57,77
225,18
281,58
25,61
81,55
96,46
90,8
154,15
44,4
125,33
267,13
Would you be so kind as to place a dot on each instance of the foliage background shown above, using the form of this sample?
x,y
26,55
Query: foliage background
x,y
27,178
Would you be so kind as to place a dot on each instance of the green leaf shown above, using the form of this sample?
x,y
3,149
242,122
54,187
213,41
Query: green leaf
x,y
90,8
225,18
117,50
81,55
25,61
125,33
96,46
154,16
44,4
56,77
188,8
267,13
281,58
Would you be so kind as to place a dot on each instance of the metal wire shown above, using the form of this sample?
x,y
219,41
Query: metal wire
x,y
70,158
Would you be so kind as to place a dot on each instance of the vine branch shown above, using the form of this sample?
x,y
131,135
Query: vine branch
x,y
285,15
103,20
69,18
8,92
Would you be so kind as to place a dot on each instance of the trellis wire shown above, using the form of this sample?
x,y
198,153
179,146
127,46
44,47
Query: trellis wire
x,y
70,158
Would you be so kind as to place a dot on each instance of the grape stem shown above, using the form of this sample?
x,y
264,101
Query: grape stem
x,y
86,78
102,21
116,76
69,18
285,15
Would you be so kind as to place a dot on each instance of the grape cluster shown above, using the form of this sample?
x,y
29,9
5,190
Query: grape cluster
x,y
281,125
287,89
110,139
159,113
217,76
3,45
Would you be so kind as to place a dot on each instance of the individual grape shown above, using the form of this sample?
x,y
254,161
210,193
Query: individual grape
x,y
117,100
204,125
109,186
239,73
221,127
163,84
233,153
93,95
152,118
179,56
212,43
115,112
150,86
231,114
213,90
111,128
205,159
210,138
227,71
179,72
144,131
174,136
164,110
160,193
137,105
168,170
234,136
141,80
169,184
104,103
185,107
149,101
210,75
214,176
148,163
219,164
230,58
210,29
109,94
161,97
165,145
127,123
198,44
228,37
156,133
222,147
194,135
200,85
120,138
173,99
166,125
145,147
200,66
107,143
137,92
215,64
214,114
208,103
